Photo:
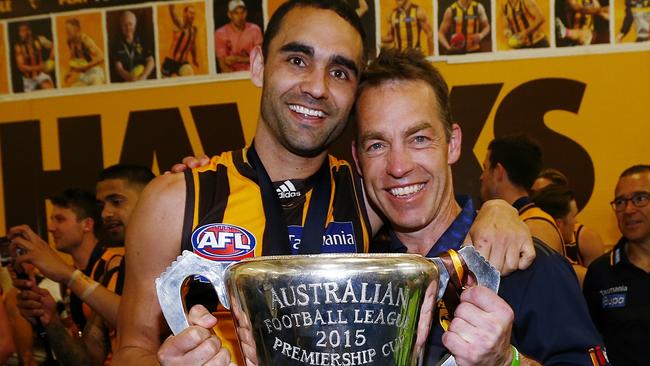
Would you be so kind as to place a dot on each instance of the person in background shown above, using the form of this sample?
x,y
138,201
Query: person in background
x,y
586,244
617,285
118,189
559,202
509,169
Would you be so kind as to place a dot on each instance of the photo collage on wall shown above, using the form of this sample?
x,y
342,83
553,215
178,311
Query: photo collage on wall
x,y
124,43
93,47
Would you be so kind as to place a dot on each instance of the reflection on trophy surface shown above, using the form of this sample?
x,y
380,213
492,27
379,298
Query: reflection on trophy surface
x,y
348,310
328,309
358,309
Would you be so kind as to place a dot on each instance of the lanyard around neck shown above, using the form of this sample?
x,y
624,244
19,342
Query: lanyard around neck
x,y
276,233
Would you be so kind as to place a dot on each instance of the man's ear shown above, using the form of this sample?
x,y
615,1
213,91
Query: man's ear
x,y
455,140
500,172
88,224
355,157
257,66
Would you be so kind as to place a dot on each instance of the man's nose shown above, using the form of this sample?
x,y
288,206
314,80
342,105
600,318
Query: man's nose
x,y
400,162
315,83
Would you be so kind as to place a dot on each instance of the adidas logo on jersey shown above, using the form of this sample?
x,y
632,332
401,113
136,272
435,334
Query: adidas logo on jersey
x,y
287,190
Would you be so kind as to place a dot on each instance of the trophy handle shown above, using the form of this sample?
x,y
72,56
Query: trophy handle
x,y
484,274
170,284
443,276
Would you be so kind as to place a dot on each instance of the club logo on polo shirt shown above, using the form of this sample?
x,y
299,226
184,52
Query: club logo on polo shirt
x,y
614,297
338,238
223,242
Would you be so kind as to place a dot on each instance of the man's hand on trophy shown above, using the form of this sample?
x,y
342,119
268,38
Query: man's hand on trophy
x,y
479,333
502,238
244,333
196,345
426,316
190,162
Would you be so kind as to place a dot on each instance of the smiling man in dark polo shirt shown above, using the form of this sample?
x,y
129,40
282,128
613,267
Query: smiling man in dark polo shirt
x,y
617,285
405,146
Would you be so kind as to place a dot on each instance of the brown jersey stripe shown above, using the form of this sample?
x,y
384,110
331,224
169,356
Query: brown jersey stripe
x,y
344,173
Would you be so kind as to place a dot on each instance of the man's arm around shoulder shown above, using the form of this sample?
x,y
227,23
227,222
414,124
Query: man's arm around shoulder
x,y
152,243
545,231
501,237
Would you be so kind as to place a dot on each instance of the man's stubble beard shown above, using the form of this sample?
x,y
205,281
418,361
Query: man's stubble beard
x,y
281,130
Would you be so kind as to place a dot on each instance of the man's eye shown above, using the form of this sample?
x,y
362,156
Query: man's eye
x,y
297,61
375,146
420,139
640,199
340,74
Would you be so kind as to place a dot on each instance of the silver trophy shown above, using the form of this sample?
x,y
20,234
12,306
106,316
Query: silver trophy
x,y
327,309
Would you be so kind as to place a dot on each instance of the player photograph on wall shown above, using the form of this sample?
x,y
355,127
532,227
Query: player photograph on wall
x,y
464,26
239,27
131,45
581,22
632,20
182,41
32,55
522,24
4,83
366,11
81,51
407,24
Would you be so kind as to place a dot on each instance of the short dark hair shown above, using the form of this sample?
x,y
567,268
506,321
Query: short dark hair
x,y
520,156
408,65
134,174
83,203
635,169
554,199
338,6
555,176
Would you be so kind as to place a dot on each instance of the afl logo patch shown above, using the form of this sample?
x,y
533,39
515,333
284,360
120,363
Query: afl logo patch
x,y
223,242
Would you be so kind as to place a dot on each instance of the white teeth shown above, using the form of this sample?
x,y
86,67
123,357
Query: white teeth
x,y
405,191
306,111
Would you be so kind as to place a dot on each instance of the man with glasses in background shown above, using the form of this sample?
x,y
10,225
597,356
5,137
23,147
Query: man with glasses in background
x,y
617,285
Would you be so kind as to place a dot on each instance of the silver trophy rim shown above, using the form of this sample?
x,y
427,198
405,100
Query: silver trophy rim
x,y
331,255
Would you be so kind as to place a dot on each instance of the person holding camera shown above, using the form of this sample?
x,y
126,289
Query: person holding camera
x,y
75,225
99,274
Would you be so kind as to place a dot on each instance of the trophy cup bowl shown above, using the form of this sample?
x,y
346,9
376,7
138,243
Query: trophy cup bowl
x,y
327,309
